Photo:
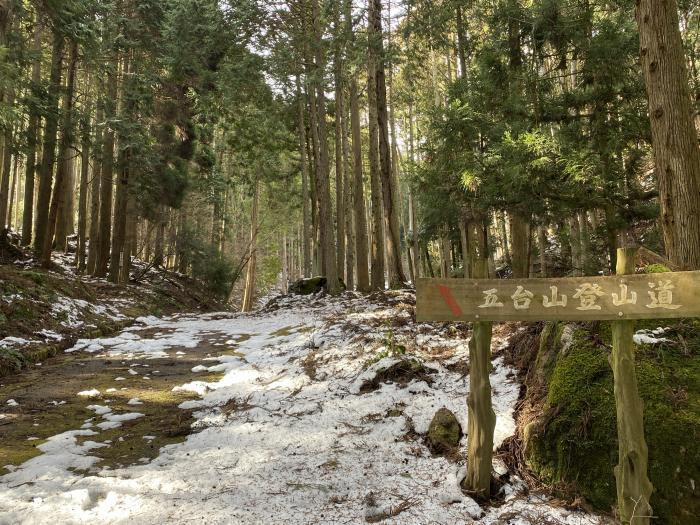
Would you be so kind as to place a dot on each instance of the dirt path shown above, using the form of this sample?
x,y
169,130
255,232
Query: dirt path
x,y
48,401
314,410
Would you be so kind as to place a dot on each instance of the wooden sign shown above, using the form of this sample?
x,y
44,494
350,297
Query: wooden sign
x,y
615,297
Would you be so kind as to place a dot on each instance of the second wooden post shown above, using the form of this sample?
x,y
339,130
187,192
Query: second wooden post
x,y
633,485
482,419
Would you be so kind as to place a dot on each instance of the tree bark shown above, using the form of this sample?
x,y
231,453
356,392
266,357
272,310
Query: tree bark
x,y
304,167
326,230
249,291
633,486
32,139
377,248
48,156
358,193
6,19
118,251
82,200
107,174
339,165
95,195
542,243
348,204
65,164
674,136
389,202
520,243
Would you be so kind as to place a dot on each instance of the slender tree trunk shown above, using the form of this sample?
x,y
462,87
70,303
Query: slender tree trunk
x,y
32,139
6,22
13,186
326,230
389,203
377,257
348,204
339,165
503,233
65,163
358,193
82,200
48,156
158,249
6,167
575,240
249,292
413,224
95,195
107,174
542,243
306,212
674,136
520,241
119,251
585,234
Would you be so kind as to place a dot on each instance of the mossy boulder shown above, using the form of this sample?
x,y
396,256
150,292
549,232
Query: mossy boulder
x,y
311,285
573,444
444,433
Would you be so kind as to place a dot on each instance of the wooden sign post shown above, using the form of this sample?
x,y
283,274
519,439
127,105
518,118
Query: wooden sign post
x,y
621,298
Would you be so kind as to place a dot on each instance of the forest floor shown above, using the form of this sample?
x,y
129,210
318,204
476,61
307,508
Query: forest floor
x,y
43,312
302,412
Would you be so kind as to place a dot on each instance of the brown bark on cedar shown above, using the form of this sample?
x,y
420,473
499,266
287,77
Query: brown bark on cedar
x,y
377,248
95,194
520,243
359,209
414,254
32,139
158,248
118,252
48,156
249,291
674,136
82,199
107,174
65,163
13,187
503,232
339,165
392,233
542,244
348,204
304,168
6,168
326,230
6,18
575,241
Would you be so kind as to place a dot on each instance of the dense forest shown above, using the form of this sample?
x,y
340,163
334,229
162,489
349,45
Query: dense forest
x,y
248,148
376,143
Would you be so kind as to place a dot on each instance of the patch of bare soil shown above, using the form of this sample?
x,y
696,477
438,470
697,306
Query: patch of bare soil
x,y
48,404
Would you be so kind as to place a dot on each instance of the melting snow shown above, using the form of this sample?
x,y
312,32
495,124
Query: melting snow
x,y
286,436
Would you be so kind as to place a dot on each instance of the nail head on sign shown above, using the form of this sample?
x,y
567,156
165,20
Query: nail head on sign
x,y
620,314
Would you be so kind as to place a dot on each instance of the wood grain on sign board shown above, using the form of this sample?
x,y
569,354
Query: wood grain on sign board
x,y
642,296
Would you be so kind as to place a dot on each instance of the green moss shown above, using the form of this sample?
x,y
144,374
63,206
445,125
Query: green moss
x,y
656,268
575,444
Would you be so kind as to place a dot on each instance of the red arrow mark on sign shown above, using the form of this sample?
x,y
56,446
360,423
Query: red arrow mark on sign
x,y
449,299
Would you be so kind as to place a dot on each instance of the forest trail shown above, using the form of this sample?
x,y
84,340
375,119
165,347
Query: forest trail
x,y
291,418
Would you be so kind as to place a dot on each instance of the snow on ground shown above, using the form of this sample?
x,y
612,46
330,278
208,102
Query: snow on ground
x,y
287,435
